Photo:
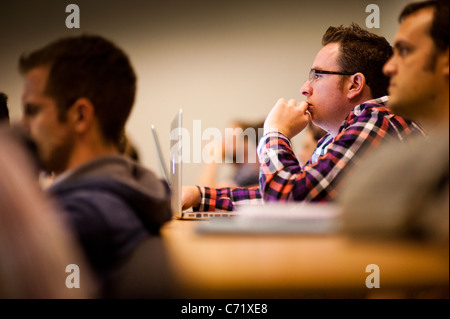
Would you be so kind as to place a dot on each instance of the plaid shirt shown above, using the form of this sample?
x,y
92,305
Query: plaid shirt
x,y
283,179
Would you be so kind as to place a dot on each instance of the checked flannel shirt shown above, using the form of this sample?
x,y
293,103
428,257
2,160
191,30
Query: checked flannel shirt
x,y
282,178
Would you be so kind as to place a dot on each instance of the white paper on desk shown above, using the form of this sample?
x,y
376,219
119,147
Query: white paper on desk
x,y
278,218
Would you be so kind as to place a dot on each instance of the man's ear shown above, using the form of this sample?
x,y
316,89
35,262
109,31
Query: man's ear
x,y
82,114
356,84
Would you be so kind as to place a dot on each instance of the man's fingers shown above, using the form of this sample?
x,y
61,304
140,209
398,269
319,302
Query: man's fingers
x,y
280,101
292,102
303,106
309,115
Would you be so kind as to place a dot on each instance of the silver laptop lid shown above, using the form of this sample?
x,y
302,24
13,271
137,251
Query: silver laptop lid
x,y
175,170
162,162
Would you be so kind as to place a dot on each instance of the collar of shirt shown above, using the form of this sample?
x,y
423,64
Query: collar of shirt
x,y
323,144
361,107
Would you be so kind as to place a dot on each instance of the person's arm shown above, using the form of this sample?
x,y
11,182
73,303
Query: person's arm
x,y
226,198
210,199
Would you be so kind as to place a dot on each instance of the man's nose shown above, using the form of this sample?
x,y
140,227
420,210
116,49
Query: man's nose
x,y
24,123
306,89
390,67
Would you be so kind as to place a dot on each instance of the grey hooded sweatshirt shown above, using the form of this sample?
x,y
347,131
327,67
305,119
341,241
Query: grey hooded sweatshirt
x,y
113,204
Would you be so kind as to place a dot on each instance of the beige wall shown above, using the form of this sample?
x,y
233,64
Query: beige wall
x,y
218,60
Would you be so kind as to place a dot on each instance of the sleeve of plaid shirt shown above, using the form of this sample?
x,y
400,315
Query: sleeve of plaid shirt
x,y
226,198
282,178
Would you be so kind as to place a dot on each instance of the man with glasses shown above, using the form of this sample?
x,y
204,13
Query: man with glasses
x,y
343,83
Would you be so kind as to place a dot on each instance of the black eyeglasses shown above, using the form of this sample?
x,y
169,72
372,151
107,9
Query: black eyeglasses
x,y
314,72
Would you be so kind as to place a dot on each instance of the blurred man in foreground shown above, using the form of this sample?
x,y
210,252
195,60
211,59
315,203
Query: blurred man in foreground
x,y
403,190
78,94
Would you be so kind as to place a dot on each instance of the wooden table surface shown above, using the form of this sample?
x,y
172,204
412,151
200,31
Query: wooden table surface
x,y
299,266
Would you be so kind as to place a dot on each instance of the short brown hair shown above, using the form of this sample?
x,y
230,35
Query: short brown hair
x,y
362,51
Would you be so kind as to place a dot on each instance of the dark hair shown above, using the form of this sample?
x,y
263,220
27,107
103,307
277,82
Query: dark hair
x,y
90,67
362,51
4,113
439,30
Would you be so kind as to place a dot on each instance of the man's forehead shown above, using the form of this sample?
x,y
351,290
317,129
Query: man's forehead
x,y
36,78
37,72
327,56
35,82
415,26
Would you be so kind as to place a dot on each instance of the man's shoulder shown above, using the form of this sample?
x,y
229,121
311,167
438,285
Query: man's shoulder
x,y
104,197
378,109
375,118
89,196
112,174
103,189
89,186
374,106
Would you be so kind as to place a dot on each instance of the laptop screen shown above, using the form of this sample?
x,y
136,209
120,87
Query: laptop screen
x,y
162,162
175,170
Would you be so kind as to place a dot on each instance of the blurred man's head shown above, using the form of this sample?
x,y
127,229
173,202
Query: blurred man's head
x,y
419,68
77,89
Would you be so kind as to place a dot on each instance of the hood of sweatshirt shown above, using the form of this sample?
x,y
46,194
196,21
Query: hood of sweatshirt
x,y
140,188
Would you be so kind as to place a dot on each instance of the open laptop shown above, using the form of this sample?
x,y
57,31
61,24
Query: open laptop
x,y
174,175
162,161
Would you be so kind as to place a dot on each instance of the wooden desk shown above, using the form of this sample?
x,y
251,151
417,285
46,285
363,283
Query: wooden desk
x,y
299,266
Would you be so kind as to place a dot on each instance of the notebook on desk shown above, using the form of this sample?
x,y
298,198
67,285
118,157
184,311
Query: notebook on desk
x,y
174,175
